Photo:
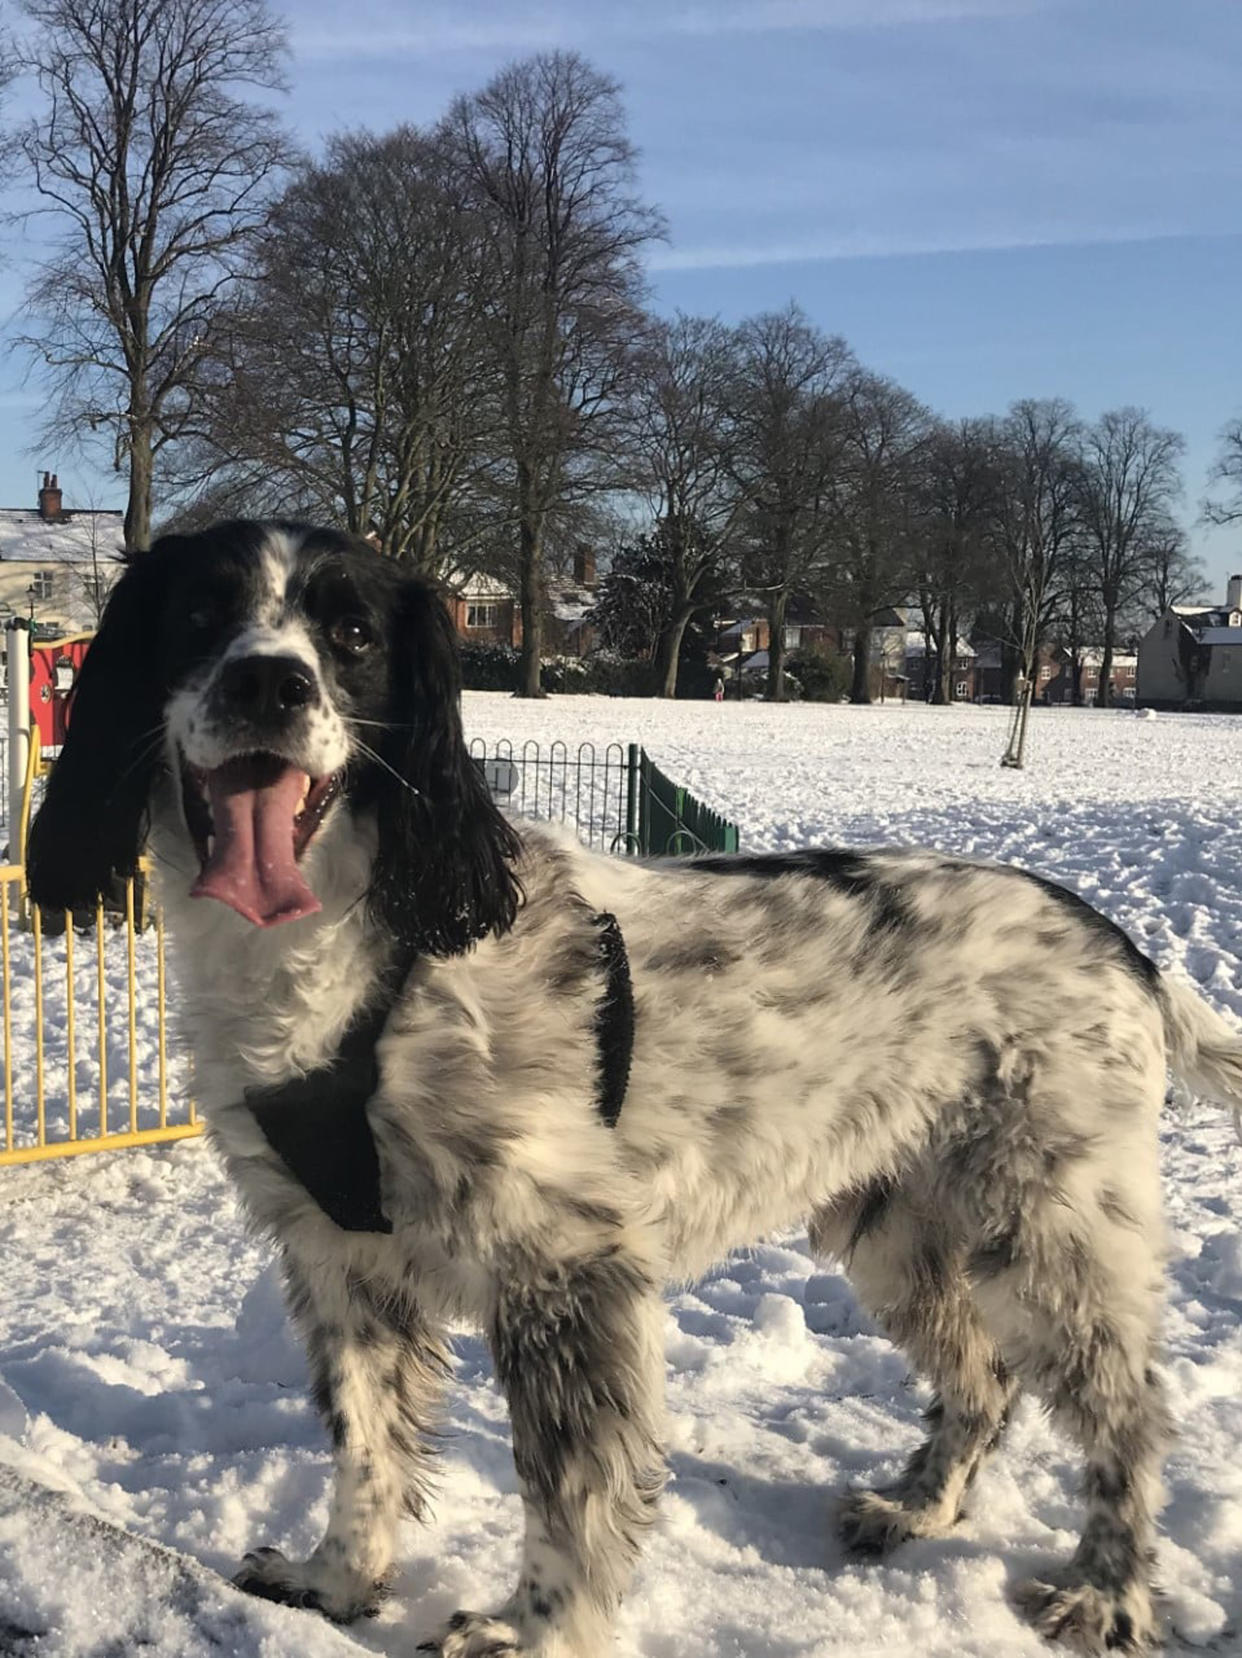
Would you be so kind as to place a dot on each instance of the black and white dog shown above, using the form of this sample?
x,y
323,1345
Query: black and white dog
x,y
482,1072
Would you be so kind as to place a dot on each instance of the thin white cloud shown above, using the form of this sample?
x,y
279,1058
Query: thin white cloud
x,y
375,32
864,245
773,16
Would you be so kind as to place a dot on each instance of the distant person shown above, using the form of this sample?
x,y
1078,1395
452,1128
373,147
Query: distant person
x,y
718,689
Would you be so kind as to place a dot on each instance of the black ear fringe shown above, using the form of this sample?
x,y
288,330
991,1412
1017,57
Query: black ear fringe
x,y
444,875
92,823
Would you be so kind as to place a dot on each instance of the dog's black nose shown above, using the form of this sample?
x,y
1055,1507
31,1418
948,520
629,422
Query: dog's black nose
x,y
266,687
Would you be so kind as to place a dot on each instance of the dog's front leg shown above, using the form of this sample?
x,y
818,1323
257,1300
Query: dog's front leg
x,y
375,1370
578,1350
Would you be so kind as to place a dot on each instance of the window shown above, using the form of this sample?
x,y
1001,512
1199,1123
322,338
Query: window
x,y
961,690
44,584
1045,671
482,615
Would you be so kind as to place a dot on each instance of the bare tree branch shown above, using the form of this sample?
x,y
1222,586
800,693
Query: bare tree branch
x,y
155,170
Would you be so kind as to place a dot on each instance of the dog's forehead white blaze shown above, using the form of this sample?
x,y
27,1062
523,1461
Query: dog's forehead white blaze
x,y
274,627
278,557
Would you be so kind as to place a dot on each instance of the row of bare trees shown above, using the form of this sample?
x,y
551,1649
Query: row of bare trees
x,y
780,467
439,337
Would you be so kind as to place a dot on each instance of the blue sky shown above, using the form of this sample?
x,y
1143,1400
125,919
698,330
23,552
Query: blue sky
x,y
988,198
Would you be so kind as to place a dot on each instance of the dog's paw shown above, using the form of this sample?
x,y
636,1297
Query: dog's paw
x,y
875,1522
339,1594
475,1635
1087,1619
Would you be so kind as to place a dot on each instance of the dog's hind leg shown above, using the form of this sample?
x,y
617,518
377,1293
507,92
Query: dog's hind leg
x,y
908,1276
1075,1301
375,1373
578,1350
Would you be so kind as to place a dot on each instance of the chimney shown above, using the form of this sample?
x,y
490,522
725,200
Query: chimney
x,y
50,498
1233,593
584,565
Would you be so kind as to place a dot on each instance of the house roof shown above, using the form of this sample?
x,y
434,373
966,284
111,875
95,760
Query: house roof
x,y
570,603
916,645
71,538
1093,655
476,586
1220,636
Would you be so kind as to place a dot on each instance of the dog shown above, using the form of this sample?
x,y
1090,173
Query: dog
x,y
462,1069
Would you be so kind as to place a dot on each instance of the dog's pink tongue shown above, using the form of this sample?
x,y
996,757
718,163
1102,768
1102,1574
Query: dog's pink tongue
x,y
252,866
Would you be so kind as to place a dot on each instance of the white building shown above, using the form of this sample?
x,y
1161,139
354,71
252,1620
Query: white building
x,y
1192,656
57,566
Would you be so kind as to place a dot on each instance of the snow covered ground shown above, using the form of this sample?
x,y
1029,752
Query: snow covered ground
x,y
151,1395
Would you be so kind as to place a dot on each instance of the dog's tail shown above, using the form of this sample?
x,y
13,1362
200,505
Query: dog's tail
x,y
1202,1049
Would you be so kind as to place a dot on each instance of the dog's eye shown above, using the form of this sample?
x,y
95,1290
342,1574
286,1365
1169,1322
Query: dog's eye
x,y
352,634
201,617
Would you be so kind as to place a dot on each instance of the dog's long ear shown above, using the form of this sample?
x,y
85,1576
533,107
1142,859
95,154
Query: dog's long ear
x,y
93,818
444,872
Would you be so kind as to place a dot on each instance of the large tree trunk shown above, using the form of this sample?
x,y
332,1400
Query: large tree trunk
x,y
668,654
860,688
1011,655
1104,696
776,647
530,579
141,475
946,639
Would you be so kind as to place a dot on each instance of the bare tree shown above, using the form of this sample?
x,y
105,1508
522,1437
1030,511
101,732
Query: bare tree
x,y
873,507
1037,521
155,172
1172,574
955,566
787,416
1128,481
683,437
351,376
544,150
1227,471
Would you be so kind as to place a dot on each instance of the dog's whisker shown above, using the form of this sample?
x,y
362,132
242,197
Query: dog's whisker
x,y
379,759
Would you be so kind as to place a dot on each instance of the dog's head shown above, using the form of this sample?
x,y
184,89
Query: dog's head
x,y
251,684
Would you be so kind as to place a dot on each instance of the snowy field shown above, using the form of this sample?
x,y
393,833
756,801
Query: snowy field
x,y
149,1389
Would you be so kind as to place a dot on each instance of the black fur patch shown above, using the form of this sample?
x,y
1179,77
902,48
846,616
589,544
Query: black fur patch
x,y
1108,932
614,1021
317,1124
853,874
871,1211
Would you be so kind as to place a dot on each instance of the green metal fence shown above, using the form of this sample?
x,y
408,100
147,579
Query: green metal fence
x,y
617,799
667,820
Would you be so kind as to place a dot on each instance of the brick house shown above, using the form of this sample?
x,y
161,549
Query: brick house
x,y
920,669
990,670
485,610
1056,685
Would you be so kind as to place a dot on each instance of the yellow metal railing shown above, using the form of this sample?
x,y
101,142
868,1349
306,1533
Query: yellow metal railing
x,y
47,1110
